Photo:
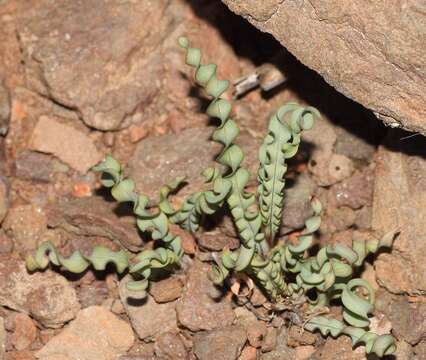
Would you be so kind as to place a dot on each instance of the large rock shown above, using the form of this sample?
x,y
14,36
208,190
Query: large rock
x,y
371,52
399,203
47,296
96,334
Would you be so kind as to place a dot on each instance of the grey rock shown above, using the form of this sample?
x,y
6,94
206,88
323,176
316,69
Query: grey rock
x,y
30,165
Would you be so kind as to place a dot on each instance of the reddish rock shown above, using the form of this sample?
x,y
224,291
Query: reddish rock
x,y
96,334
216,241
92,294
149,319
4,197
248,353
170,346
25,332
336,220
298,336
270,341
221,344
6,244
304,352
3,336
52,135
340,348
166,290
399,204
196,309
95,216
47,296
282,350
27,226
4,109
256,332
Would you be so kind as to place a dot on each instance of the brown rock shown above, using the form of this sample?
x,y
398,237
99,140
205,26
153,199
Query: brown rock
x,y
297,203
6,244
216,241
364,217
221,344
25,332
96,334
73,147
356,141
47,296
149,319
95,217
166,290
34,166
420,350
282,350
345,45
354,192
340,348
256,332
270,340
92,294
25,355
404,351
4,197
196,309
304,352
169,346
337,220
27,226
248,353
297,337
399,204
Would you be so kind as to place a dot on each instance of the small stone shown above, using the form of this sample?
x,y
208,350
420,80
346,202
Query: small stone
x,y
96,334
137,133
82,189
70,145
196,309
148,318
338,219
6,244
34,166
166,290
188,241
4,109
91,294
354,192
25,332
364,217
27,225
270,341
340,348
257,298
220,344
117,307
170,346
282,350
304,352
47,297
256,332
248,353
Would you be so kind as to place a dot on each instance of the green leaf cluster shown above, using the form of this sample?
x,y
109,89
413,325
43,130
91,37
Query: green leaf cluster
x,y
283,271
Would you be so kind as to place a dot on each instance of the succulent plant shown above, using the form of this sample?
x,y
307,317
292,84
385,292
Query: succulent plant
x,y
283,270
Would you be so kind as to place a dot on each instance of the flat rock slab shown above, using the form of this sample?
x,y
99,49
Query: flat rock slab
x,y
96,334
399,203
371,52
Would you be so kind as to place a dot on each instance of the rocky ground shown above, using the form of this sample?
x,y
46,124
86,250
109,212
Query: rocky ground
x,y
89,78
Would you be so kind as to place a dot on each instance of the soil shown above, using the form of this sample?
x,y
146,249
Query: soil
x,y
79,84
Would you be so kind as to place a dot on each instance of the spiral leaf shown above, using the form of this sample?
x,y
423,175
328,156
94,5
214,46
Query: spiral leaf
x,y
281,143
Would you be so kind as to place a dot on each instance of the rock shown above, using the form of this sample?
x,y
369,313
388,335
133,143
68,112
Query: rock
x,y
196,309
304,352
25,332
96,334
256,332
3,336
169,346
27,226
355,192
149,319
47,297
215,240
282,350
4,197
53,136
297,337
221,344
248,353
270,340
6,244
337,220
403,351
92,294
34,166
166,290
399,198
340,348
159,160
297,203
358,143
408,320
4,109
364,218
94,216
420,351
345,45
24,355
